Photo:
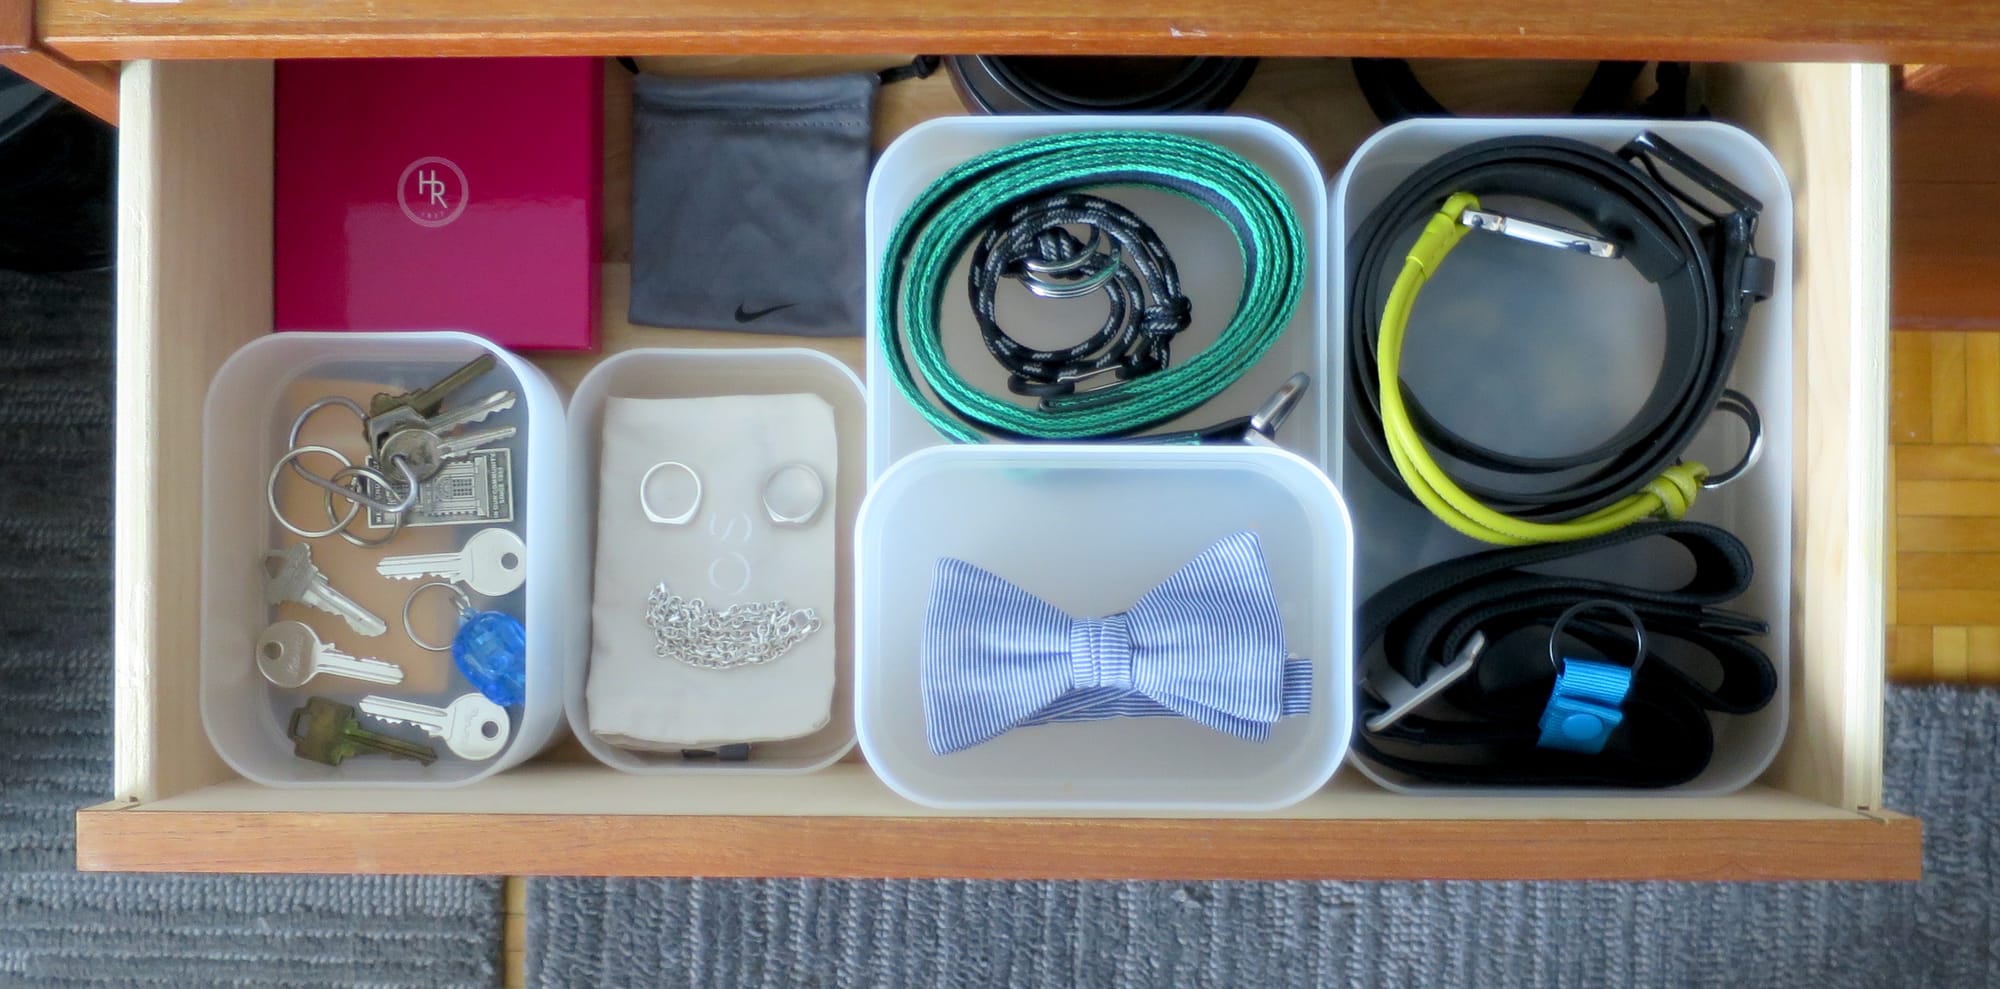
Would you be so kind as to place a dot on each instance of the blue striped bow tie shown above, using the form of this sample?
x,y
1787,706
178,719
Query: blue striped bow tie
x,y
1207,644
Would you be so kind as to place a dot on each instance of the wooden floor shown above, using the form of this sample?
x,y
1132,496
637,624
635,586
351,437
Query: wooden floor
x,y
1944,590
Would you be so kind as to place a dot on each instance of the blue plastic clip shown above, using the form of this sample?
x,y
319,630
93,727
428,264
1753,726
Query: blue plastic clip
x,y
1588,702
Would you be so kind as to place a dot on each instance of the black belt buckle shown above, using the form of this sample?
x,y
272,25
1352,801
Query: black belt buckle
x,y
1746,278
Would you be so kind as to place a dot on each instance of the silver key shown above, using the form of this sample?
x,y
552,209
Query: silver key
x,y
427,400
296,579
426,451
493,563
390,412
472,727
470,412
290,653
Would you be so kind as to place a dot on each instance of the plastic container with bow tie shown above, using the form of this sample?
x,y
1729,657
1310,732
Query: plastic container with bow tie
x,y
1090,530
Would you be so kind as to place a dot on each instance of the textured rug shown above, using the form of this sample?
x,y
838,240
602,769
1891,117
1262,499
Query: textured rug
x,y
1943,764
59,928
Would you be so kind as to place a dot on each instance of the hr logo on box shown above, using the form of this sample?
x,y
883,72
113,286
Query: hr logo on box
x,y
433,191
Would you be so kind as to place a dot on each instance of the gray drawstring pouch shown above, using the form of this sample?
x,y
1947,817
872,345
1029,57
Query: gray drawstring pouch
x,y
747,200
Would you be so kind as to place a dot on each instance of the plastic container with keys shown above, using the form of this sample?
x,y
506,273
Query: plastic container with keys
x,y
339,649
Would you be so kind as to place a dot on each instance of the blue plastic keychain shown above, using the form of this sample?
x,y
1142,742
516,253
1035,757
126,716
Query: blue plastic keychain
x,y
1588,702
491,647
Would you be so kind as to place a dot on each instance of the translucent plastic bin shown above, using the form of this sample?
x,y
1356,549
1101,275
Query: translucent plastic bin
x,y
1090,529
251,404
1538,351
669,373
1203,248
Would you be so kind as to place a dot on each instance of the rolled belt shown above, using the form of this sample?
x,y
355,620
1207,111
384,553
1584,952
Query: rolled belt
x,y
1496,618
1394,93
1098,83
1706,270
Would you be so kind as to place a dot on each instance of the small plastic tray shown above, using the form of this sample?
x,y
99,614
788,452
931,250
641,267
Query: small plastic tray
x,y
1540,351
668,373
1090,529
1203,249
250,408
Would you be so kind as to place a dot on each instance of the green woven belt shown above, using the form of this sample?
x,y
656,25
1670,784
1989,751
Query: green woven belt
x,y
950,215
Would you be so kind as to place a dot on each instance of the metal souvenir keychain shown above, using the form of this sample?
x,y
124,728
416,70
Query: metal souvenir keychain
x,y
490,648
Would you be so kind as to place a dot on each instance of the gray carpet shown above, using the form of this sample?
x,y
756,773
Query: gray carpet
x,y
1943,764
59,928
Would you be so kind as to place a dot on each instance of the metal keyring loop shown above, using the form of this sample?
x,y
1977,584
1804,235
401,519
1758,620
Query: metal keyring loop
x,y
271,491
1050,288
377,478
299,424
464,608
801,519
1739,405
1638,629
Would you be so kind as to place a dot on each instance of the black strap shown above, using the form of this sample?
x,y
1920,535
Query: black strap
x,y
1484,729
1098,83
1147,308
1708,276
1393,92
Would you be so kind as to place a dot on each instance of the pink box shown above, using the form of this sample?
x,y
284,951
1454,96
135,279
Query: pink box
x,y
441,193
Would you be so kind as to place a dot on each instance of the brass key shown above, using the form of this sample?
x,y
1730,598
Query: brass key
x,y
326,732
426,401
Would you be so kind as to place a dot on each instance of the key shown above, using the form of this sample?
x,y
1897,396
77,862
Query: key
x,y
296,579
290,653
388,413
426,401
327,732
470,412
493,563
426,451
472,727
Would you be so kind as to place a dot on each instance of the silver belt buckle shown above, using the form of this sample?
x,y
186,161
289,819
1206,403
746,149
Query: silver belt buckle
x,y
1539,233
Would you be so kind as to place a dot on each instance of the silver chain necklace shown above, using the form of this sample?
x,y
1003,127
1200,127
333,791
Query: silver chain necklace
x,y
689,630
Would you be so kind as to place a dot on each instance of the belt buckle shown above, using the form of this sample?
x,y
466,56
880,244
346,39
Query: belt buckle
x,y
1545,234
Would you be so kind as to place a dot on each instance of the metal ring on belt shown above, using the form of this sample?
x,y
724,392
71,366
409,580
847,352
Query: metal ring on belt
x,y
959,208
1393,92
1098,83
1708,276
1497,616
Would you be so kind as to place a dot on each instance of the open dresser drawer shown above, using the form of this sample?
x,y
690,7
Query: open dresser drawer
x,y
195,284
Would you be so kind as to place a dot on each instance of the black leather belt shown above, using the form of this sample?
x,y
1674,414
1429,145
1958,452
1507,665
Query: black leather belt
x,y
1706,270
1097,84
1393,92
1495,616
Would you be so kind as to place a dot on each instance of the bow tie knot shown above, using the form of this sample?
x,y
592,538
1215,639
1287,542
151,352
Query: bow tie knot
x,y
1100,652
1206,644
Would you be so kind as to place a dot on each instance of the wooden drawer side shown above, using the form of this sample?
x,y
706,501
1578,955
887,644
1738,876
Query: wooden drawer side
x,y
194,259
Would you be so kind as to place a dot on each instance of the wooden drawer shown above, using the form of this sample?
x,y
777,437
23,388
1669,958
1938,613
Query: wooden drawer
x,y
195,283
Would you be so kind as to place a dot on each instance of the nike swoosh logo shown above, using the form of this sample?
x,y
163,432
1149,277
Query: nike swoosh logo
x,y
752,315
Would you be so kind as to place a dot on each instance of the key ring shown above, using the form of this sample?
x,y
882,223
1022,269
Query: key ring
x,y
464,608
1599,604
1739,405
333,486
796,520
299,424
344,476
271,491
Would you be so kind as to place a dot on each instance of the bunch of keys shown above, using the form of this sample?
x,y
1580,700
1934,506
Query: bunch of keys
x,y
326,732
491,647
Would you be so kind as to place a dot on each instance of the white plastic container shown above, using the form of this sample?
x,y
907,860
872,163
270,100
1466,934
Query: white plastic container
x,y
1090,529
1533,350
1203,248
668,373
250,408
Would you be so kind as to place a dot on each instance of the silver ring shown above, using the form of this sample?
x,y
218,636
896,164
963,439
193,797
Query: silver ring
x,y
1599,604
1739,405
271,491
299,424
1051,288
801,519
464,607
370,474
653,516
